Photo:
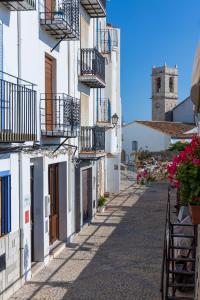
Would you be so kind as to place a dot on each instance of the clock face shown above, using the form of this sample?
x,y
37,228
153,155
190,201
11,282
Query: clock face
x,y
157,105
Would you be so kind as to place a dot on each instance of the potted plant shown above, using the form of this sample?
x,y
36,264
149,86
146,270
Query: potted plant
x,y
184,174
101,204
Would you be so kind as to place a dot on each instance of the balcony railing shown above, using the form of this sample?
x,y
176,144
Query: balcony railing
x,y
103,111
17,109
108,40
92,139
92,68
60,115
62,21
95,8
20,5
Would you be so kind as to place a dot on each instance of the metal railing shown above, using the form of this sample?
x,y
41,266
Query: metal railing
x,y
20,5
18,113
62,20
103,111
95,8
60,115
92,63
108,40
92,139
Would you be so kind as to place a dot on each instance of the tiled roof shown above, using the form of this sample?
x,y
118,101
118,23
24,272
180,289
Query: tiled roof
x,y
169,128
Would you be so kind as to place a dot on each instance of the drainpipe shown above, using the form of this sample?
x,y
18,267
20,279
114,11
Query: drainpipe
x,y
20,154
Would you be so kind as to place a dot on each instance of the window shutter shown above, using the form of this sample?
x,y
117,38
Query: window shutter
x,y
3,206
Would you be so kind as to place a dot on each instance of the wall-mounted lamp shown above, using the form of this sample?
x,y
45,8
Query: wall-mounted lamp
x,y
115,120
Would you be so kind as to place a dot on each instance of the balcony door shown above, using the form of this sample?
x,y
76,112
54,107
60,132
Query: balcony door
x,y
50,8
48,92
54,203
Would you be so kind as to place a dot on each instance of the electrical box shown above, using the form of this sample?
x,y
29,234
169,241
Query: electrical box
x,y
47,206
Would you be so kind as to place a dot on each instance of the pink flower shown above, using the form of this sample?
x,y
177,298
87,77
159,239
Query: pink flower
x,y
196,161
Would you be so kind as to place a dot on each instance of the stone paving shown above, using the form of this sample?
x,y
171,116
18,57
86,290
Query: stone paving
x,y
117,257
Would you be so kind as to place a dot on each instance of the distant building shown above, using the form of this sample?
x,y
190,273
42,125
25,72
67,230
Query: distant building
x,y
153,136
184,112
164,91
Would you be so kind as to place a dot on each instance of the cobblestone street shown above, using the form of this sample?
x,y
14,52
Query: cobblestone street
x,y
117,257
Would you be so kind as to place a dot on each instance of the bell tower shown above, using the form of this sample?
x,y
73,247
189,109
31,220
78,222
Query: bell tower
x,y
164,91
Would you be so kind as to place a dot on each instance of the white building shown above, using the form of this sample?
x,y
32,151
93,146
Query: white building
x,y
184,112
55,156
153,136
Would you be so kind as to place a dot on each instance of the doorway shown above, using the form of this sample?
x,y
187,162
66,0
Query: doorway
x,y
32,211
87,194
54,203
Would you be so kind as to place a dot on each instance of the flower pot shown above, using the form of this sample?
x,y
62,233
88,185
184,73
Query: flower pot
x,y
101,209
195,213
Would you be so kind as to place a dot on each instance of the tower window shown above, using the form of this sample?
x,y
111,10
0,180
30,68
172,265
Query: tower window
x,y
158,84
171,84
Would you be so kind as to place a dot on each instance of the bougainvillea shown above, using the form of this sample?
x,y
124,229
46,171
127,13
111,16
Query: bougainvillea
x,y
184,172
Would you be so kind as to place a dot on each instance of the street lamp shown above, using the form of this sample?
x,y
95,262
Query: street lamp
x,y
115,120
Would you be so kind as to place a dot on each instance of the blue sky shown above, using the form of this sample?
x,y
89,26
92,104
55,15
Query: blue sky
x,y
153,32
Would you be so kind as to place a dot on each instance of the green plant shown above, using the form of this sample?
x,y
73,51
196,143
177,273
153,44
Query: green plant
x,y
101,201
178,146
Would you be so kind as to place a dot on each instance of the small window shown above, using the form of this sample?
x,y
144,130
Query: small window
x,y
5,205
134,145
158,84
171,84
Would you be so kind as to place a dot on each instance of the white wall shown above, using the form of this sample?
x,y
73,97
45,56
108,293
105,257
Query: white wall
x,y
184,112
147,138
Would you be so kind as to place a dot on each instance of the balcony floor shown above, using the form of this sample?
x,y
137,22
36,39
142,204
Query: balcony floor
x,y
19,5
92,81
59,28
94,8
91,154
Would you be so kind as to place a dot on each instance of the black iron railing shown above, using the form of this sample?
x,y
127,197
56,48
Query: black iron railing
x,y
95,8
103,111
62,21
179,254
92,63
18,113
92,139
20,5
60,115
108,40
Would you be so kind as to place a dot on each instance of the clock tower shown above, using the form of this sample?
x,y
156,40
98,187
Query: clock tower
x,y
164,91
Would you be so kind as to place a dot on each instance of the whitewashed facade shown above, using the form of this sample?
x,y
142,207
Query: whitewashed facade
x,y
52,173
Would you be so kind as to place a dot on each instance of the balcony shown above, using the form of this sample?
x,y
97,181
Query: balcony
x,y
95,8
103,112
60,115
20,5
18,113
108,40
92,68
61,21
92,142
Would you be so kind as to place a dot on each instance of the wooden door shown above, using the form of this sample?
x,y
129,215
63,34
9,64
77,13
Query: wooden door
x,y
86,194
48,93
54,203
50,8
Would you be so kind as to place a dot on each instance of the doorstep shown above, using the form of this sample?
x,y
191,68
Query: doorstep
x,y
56,249
36,267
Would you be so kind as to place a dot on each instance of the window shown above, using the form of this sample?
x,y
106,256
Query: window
x,y
158,84
171,84
134,145
5,205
